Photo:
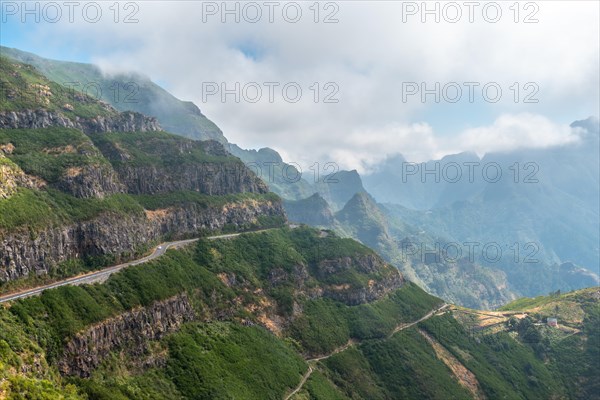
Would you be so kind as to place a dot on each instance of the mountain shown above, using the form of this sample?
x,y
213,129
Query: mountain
x,y
125,92
543,198
437,262
313,210
282,178
83,185
292,184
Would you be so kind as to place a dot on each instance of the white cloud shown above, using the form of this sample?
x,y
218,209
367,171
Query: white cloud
x,y
368,54
510,132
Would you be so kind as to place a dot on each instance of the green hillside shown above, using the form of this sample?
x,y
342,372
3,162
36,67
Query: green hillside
x,y
125,92
255,326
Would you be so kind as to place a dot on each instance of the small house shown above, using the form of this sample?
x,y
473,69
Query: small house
x,y
552,322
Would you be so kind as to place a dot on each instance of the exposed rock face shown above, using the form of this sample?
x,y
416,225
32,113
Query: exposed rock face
x,y
192,218
33,119
219,177
21,255
207,178
131,330
375,290
90,181
119,235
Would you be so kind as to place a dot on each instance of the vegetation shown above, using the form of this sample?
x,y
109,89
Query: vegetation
x,y
224,361
165,200
49,153
159,149
23,87
36,210
127,92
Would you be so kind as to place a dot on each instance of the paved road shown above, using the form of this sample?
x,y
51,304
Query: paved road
x,y
351,342
103,274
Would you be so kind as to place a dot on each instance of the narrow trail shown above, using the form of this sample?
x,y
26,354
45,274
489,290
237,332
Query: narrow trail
x,y
352,342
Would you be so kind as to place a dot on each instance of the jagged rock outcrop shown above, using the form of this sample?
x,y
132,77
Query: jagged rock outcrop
x,y
193,218
131,330
22,254
122,122
169,171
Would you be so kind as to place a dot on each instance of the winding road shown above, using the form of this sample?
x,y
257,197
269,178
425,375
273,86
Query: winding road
x,y
103,274
351,342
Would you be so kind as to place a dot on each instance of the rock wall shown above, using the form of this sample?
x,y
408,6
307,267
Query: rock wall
x,y
23,254
122,122
90,181
131,330
206,178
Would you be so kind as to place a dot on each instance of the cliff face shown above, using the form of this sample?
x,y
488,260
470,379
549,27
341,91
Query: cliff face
x,y
34,119
207,178
119,235
131,330
155,164
117,153
90,181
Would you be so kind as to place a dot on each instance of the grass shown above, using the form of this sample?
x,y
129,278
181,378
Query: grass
x,y
504,367
326,324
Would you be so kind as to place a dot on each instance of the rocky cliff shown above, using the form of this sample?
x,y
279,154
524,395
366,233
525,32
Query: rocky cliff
x,y
33,119
131,330
121,236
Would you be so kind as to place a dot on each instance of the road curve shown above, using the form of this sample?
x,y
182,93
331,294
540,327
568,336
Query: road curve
x,y
103,274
